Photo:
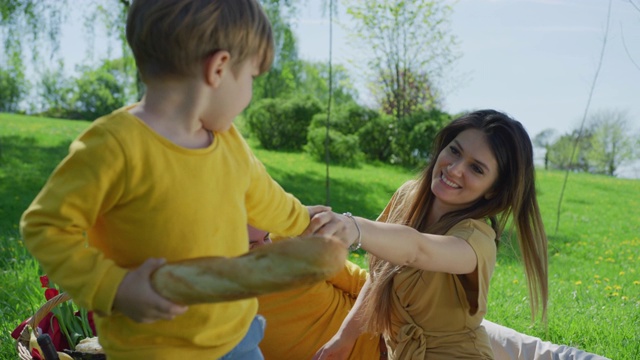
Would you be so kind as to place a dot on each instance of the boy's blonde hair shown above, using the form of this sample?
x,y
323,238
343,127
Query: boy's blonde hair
x,y
172,38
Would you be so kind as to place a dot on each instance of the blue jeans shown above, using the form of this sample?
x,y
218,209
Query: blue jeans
x,y
248,348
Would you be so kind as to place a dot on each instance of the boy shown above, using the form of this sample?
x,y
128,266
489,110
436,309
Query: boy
x,y
167,179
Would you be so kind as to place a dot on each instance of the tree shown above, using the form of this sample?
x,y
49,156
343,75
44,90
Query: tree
x,y
560,152
33,26
612,144
99,91
544,140
411,47
313,80
284,75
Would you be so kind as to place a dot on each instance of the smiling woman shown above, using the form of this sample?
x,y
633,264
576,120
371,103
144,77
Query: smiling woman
x,y
434,246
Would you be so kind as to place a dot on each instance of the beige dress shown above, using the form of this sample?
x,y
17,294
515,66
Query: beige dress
x,y
437,315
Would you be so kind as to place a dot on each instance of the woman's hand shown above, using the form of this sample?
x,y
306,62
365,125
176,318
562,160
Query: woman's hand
x,y
136,298
329,223
336,348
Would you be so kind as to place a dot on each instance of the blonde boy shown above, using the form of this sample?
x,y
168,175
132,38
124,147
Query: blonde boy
x,y
167,179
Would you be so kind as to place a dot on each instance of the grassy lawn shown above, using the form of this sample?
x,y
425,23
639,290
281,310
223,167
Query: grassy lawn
x,y
594,256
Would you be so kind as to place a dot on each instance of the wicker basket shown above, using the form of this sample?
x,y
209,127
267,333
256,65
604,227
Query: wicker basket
x,y
22,344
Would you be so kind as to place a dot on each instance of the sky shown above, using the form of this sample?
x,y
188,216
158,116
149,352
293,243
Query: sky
x,y
533,59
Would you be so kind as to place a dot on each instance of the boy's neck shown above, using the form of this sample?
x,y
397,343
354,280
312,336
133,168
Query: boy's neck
x,y
173,109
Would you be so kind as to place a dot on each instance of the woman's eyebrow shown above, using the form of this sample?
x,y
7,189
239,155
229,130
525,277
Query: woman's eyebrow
x,y
474,159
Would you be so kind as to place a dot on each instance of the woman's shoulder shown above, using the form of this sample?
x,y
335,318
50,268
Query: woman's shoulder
x,y
472,225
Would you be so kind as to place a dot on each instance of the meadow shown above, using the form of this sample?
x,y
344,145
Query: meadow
x,y
594,256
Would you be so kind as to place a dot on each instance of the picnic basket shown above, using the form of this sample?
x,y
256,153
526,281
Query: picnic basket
x,y
22,343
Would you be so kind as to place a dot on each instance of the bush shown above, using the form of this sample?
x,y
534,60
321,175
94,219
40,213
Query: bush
x,y
343,149
414,136
372,128
376,138
282,124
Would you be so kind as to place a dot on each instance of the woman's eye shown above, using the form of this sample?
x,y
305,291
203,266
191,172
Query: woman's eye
x,y
454,150
477,169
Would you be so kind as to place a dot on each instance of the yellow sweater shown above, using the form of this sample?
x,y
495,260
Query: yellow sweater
x,y
125,194
300,321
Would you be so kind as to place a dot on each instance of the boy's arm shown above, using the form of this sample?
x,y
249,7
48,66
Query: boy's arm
x,y
54,226
350,279
342,343
270,207
88,182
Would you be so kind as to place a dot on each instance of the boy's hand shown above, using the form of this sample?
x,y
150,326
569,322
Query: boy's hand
x,y
136,298
330,223
313,211
335,349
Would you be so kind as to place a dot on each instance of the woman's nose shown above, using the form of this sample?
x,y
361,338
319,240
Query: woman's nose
x,y
455,168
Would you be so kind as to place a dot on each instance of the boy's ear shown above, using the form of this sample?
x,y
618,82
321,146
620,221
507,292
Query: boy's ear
x,y
214,67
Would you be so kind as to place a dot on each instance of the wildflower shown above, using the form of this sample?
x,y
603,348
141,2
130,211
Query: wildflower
x,y
608,288
621,273
515,281
578,282
596,276
636,282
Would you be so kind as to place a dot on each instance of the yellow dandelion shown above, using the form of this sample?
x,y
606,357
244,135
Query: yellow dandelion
x,y
615,294
597,262
596,276
515,281
607,288
621,273
578,282
598,281
617,287
606,279
611,260
636,282
356,255
625,298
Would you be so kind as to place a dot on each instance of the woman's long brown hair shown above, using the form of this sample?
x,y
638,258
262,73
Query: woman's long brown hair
x,y
514,196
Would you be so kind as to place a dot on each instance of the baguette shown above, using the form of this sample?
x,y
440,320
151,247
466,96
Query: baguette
x,y
280,266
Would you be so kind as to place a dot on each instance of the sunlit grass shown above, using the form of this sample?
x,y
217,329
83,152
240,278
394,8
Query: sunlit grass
x,y
594,257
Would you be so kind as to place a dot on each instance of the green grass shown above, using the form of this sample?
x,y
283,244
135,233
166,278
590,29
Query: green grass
x,y
594,280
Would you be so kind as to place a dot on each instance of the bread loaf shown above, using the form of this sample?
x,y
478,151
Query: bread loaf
x,y
269,268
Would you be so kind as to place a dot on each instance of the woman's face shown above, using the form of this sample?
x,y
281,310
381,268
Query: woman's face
x,y
465,171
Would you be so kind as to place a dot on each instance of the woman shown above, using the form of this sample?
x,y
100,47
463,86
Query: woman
x,y
434,247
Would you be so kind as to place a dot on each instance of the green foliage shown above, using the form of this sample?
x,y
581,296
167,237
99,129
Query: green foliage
x,y
373,129
343,149
283,77
13,84
409,47
282,124
98,92
414,136
376,138
606,143
314,80
56,93
611,141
